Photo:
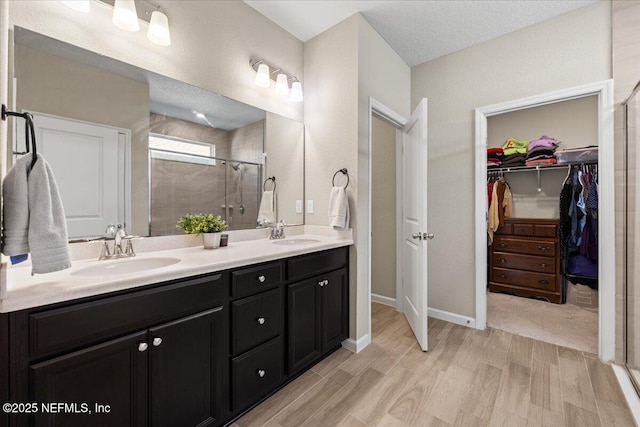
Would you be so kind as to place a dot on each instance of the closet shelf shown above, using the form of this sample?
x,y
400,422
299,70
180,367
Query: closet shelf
x,y
537,167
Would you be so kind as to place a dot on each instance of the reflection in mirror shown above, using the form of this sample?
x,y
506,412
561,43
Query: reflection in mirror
x,y
133,147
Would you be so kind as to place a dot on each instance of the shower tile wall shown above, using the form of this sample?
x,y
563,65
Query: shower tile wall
x,y
178,188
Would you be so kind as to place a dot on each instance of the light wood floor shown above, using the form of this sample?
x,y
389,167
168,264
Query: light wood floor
x,y
467,378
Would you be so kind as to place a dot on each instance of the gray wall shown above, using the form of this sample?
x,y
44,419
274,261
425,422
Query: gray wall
x,y
54,85
574,123
566,51
383,209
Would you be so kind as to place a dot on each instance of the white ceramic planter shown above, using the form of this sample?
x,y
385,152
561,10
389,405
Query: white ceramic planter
x,y
211,240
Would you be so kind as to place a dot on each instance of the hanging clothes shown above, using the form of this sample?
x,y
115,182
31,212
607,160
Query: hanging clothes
x,y
501,207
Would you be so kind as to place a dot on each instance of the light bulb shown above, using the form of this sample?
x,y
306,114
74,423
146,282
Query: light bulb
x,y
125,15
296,92
282,85
262,78
159,29
79,5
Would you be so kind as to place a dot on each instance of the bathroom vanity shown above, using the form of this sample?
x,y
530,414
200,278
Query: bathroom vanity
x,y
201,349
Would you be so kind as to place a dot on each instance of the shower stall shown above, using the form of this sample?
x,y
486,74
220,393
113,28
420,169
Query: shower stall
x,y
632,236
181,184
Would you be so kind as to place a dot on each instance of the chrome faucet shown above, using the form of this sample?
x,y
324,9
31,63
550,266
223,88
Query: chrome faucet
x,y
277,232
117,234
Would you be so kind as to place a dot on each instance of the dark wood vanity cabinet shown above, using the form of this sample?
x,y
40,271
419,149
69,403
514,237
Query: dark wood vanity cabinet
x,y
199,351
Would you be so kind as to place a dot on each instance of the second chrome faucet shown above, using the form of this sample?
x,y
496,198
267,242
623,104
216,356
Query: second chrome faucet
x,y
118,235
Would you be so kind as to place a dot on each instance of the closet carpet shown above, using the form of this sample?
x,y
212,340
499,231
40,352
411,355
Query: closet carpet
x,y
562,324
467,378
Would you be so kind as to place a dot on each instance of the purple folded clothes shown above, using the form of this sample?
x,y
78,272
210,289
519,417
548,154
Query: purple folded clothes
x,y
544,141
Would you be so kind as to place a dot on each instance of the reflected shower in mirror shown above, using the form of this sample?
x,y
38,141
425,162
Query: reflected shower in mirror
x,y
133,147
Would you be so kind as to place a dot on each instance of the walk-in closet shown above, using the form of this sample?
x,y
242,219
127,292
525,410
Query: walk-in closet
x,y
542,223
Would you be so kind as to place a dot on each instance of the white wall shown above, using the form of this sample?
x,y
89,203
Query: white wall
x,y
566,51
211,44
344,66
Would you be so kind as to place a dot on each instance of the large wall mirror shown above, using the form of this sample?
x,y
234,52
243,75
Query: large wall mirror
x,y
133,147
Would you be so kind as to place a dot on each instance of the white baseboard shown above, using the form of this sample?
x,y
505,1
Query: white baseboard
x,y
452,317
383,300
629,391
357,346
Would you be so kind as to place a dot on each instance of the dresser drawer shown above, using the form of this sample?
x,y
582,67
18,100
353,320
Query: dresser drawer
x,y
255,320
523,246
524,262
249,281
255,373
526,279
94,321
317,263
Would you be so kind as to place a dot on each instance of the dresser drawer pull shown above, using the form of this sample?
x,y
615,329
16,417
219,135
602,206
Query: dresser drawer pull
x,y
502,276
143,346
543,248
157,341
503,245
261,373
543,281
542,264
503,260
261,279
261,320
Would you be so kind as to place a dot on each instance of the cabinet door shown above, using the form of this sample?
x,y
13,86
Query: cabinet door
x,y
184,362
303,323
335,322
113,374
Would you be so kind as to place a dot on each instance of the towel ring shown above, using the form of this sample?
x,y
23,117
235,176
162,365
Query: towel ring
x,y
30,133
344,172
272,179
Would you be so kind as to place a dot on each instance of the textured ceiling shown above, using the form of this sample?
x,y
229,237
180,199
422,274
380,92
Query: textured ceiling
x,y
167,96
418,31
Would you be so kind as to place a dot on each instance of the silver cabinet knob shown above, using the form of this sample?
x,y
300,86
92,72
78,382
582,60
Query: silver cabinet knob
x,y
157,341
261,279
325,281
143,346
261,372
321,283
261,320
417,236
429,236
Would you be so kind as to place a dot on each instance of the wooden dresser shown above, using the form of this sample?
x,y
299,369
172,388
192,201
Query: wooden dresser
x,y
525,259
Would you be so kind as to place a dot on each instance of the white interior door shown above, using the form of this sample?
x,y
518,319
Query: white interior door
x,y
86,160
414,223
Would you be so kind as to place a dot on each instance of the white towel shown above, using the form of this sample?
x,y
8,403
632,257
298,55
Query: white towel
x,y
338,208
267,211
47,227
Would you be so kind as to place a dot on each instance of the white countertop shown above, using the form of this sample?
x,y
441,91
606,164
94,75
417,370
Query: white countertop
x,y
27,291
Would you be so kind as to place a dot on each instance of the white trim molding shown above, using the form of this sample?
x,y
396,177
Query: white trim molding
x,y
629,391
606,206
356,346
447,316
383,300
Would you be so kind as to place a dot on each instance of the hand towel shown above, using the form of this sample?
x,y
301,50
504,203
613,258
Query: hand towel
x,y
48,239
338,208
267,211
16,208
34,216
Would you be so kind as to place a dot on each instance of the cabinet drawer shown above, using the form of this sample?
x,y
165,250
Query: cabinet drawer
x,y
320,262
91,322
248,281
255,373
524,262
255,320
526,279
532,247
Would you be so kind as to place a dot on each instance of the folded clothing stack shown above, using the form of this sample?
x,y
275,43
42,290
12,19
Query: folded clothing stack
x,y
542,151
494,157
514,152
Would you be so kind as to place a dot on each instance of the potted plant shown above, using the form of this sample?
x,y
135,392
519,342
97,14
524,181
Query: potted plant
x,y
209,226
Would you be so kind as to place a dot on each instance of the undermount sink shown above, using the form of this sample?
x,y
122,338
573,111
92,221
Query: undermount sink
x,y
125,266
292,242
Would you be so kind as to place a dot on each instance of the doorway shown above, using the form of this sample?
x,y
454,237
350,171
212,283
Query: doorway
x,y
602,91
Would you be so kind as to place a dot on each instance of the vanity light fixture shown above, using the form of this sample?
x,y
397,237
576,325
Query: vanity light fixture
x,y
159,28
125,15
265,75
79,5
